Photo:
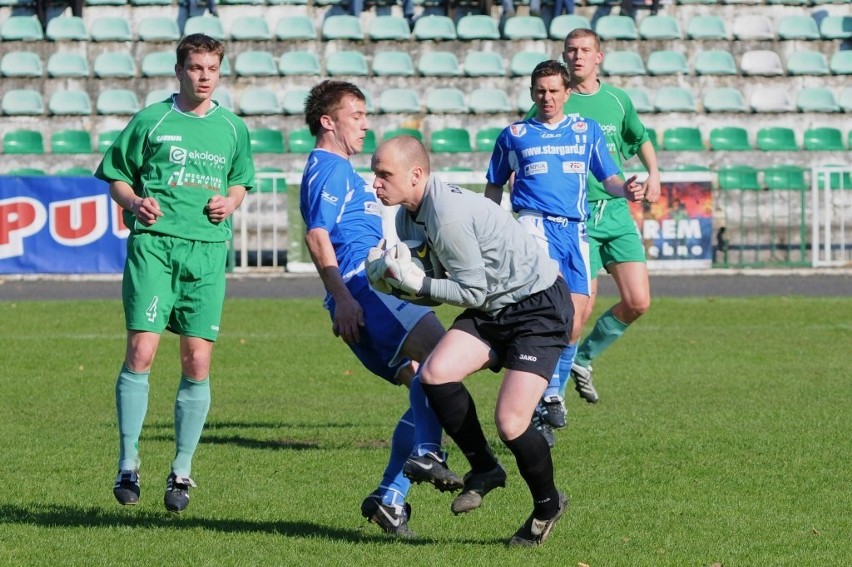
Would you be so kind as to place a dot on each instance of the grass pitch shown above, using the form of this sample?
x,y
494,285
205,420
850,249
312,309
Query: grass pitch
x,y
722,438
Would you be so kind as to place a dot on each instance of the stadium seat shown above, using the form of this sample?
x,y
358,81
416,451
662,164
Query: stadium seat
x,y
26,172
823,139
845,100
342,26
807,62
816,99
21,64
21,28
255,64
299,63
523,62
451,140
627,63
776,139
562,24
258,101
667,62
271,185
770,99
67,28
715,62
797,26
706,27
23,142
439,64
393,63
106,139
110,29
158,28
159,64
477,26
659,28
785,177
117,101
71,142
729,138
150,3
616,27
524,27
841,62
761,62
445,100
389,28
369,142
836,27
67,64
295,28
74,172
301,141
738,177
652,135
394,132
157,95
294,101
223,97
674,99
489,100
486,138
71,102
753,27
250,28
225,68
483,64
640,99
22,102
435,28
682,139
116,65
404,100
724,99
351,63
524,101
106,2
266,141
208,25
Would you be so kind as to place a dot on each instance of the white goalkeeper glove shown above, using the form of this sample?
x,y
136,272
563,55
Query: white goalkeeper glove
x,y
375,267
401,273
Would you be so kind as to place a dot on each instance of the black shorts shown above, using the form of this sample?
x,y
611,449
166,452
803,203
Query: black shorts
x,y
529,335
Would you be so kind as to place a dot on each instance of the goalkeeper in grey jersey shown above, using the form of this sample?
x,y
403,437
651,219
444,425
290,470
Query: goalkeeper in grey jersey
x,y
518,316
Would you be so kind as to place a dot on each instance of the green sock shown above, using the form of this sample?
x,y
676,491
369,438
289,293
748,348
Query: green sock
x,y
191,405
131,404
607,330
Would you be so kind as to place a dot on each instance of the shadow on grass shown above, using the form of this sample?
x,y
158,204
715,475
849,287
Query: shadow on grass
x,y
213,425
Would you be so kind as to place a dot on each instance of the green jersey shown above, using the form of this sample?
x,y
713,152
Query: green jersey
x,y
612,108
181,160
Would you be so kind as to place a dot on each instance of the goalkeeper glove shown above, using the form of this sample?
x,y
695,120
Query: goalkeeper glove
x,y
401,272
375,267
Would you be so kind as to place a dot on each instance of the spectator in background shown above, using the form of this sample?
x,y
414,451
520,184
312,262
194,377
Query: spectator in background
x,y
42,5
192,8
383,9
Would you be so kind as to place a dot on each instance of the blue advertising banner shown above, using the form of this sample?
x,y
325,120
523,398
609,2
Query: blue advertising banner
x,y
59,225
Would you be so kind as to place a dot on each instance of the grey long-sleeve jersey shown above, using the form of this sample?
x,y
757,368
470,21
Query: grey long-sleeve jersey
x,y
491,260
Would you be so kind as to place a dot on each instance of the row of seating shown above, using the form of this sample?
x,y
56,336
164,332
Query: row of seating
x,y
439,28
736,138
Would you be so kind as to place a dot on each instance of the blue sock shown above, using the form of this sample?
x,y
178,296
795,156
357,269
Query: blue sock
x,y
131,403
553,385
191,406
564,367
395,485
427,428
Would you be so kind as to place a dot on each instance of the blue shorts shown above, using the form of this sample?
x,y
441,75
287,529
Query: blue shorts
x,y
567,242
387,323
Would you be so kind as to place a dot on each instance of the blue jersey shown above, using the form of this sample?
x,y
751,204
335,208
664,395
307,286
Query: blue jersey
x,y
334,197
551,163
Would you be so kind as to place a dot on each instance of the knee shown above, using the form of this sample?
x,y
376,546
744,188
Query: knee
x,y
195,364
510,426
636,307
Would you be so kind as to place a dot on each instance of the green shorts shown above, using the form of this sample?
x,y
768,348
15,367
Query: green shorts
x,y
613,236
175,284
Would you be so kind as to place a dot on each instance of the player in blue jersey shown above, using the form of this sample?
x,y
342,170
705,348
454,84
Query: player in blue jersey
x,y
388,335
551,156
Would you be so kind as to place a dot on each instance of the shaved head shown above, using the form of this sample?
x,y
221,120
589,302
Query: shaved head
x,y
402,168
407,150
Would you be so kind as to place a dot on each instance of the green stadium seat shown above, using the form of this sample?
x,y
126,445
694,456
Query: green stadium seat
x,y
21,64
22,102
753,27
295,28
524,101
150,2
351,63
106,138
807,62
436,28
683,139
674,99
250,28
106,2
116,65
659,28
737,177
451,140
486,138
369,142
389,28
777,139
342,26
271,185
394,132
266,141
393,63
110,29
706,27
74,172
640,99
68,65
67,28
523,62
477,26
158,28
761,62
562,24
489,100
729,138
445,100
835,178
71,102
299,63
208,25
841,62
666,62
715,62
71,142
845,99
625,63
159,64
242,2
301,141
157,95
255,64
823,139
404,100
785,177
439,64
652,135
483,64
23,142
223,97
616,27
724,99
259,101
294,101
797,26
21,28
117,101
26,172
836,27
816,99
524,27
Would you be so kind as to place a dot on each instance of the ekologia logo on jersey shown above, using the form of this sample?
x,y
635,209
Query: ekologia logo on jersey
x,y
181,155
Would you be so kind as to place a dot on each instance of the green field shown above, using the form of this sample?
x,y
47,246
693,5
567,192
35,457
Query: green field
x,y
723,437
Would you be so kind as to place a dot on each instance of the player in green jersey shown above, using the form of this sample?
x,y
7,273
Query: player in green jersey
x,y
179,169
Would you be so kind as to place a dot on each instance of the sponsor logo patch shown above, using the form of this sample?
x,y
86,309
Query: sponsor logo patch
x,y
518,130
535,168
573,167
579,127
